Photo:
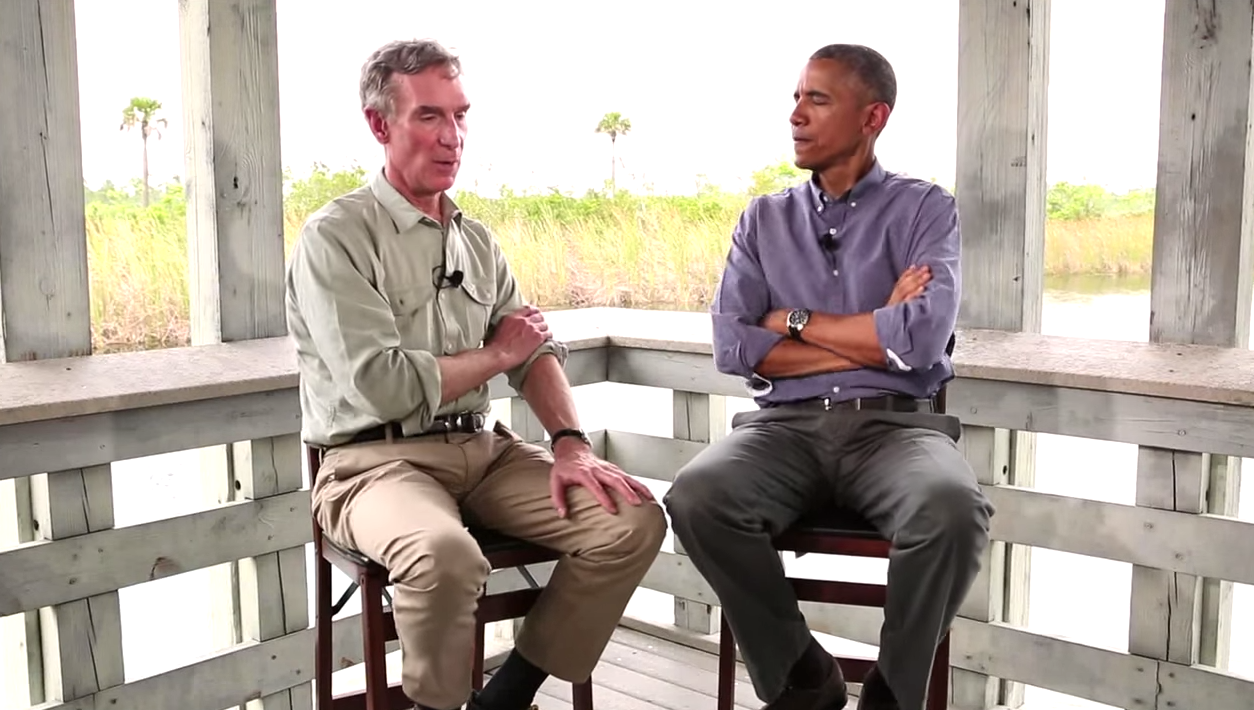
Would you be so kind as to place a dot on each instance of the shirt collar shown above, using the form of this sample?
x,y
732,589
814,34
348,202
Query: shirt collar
x,y
403,213
875,176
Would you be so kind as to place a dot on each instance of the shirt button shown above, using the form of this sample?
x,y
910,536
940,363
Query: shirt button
x,y
836,390
853,204
835,272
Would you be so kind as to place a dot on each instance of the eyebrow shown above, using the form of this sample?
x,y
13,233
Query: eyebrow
x,y
424,109
812,94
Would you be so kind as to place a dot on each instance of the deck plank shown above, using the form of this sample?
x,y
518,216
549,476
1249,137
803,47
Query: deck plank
x,y
639,672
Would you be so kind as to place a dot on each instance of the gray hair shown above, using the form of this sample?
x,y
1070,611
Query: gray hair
x,y
400,57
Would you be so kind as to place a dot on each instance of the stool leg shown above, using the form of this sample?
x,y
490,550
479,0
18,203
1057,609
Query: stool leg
x,y
374,639
322,620
476,675
938,685
726,667
582,695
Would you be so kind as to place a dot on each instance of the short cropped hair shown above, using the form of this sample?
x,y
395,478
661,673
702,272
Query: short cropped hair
x,y
400,57
871,68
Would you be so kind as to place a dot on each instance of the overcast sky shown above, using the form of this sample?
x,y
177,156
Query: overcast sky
x,y
708,88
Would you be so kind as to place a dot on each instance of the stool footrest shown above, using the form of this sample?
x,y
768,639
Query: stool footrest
x,y
826,591
396,700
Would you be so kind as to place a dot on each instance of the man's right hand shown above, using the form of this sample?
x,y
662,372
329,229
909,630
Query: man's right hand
x,y
518,335
910,284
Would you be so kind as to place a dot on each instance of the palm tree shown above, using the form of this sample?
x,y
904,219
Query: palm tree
x,y
614,125
141,112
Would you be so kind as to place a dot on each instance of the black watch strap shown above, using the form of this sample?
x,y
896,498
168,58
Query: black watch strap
x,y
577,433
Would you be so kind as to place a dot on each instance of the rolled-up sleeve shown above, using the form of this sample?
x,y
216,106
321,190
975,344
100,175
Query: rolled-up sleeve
x,y
351,326
509,299
740,301
914,334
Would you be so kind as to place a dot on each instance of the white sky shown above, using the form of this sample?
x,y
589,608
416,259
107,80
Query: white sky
x,y
708,88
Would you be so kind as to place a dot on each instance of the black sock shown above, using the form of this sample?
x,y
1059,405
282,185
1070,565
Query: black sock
x,y
513,686
812,668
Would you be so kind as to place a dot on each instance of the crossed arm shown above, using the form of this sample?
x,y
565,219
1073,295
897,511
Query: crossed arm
x,y
910,331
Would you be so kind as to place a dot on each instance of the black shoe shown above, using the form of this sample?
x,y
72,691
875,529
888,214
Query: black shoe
x,y
876,695
832,694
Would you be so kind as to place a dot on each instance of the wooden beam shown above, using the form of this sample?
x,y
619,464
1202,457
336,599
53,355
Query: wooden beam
x,y
233,676
1200,293
1163,539
93,439
235,179
1003,86
699,418
71,649
1003,79
1107,416
236,247
58,571
43,236
988,451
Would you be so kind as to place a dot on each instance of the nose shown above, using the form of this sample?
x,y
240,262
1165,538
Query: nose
x,y
451,135
796,118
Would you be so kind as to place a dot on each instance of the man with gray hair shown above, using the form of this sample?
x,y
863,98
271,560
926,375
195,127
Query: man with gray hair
x,y
402,309
837,306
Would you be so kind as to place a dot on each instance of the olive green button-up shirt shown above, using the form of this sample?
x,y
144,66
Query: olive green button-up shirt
x,y
369,321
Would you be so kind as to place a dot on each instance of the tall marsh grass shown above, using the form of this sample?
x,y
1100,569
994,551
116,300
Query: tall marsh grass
x,y
625,250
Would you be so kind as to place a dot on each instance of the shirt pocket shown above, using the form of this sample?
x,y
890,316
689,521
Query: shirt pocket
x,y
475,300
413,309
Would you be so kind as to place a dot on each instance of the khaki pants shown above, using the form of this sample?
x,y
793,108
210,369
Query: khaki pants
x,y
400,504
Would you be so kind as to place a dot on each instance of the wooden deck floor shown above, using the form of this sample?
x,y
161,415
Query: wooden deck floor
x,y
642,672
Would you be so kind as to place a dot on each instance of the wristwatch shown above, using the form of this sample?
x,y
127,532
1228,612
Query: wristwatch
x,y
577,433
797,319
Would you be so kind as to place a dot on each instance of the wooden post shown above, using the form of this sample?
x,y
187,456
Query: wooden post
x,y
701,418
69,650
235,244
1199,293
1003,63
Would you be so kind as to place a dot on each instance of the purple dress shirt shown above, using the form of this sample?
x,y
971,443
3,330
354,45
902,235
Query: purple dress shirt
x,y
802,248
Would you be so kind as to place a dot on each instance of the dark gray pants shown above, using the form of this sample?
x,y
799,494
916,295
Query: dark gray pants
x,y
903,472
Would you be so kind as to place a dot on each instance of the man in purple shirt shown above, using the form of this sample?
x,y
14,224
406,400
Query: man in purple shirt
x,y
837,306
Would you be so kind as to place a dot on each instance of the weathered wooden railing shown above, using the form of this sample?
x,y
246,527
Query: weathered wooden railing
x,y
76,416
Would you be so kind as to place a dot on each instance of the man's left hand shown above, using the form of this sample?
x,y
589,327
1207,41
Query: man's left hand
x,y
580,467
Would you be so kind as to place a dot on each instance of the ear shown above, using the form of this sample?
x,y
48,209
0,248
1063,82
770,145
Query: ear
x,y
876,118
378,125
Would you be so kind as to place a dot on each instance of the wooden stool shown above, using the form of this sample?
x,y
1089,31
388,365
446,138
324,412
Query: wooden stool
x,y
378,626
834,532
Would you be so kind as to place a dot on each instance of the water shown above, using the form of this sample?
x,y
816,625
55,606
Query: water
x,y
1072,596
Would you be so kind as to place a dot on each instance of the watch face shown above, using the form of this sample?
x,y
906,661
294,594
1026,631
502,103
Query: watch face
x,y
797,319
